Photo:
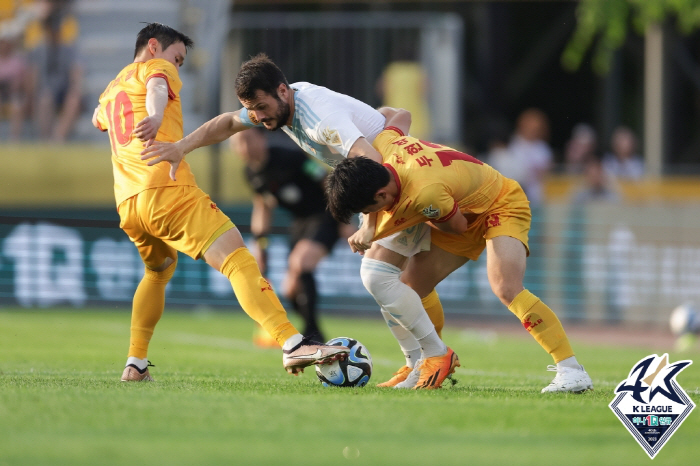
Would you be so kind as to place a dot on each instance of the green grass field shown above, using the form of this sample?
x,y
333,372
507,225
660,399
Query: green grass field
x,y
218,399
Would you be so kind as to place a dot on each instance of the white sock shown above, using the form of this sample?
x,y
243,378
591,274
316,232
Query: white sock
x,y
569,362
140,363
408,343
292,341
432,345
382,280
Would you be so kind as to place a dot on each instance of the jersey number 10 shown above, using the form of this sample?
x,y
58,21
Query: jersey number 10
x,y
121,120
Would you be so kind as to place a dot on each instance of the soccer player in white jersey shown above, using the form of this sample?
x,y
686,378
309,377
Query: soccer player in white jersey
x,y
329,125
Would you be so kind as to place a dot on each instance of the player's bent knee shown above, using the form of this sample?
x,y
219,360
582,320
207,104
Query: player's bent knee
x,y
167,263
506,292
164,273
379,278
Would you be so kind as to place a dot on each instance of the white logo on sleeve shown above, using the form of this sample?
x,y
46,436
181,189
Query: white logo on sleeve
x,y
331,137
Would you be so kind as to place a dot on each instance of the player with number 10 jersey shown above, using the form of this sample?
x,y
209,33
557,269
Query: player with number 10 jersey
x,y
123,104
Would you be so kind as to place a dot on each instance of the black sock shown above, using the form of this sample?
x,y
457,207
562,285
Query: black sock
x,y
305,305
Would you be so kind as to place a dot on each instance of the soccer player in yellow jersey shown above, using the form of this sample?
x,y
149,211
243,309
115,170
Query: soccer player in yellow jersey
x,y
472,207
162,215
328,125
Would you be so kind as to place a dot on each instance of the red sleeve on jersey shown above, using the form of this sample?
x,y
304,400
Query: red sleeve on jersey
x,y
445,218
394,128
171,94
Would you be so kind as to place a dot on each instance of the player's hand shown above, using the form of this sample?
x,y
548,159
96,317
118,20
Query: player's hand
x,y
147,129
361,241
164,152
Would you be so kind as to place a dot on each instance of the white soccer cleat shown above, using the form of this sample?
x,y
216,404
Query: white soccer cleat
x,y
569,379
412,378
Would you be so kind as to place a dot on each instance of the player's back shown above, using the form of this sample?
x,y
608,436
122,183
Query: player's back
x,y
327,122
320,101
426,167
122,106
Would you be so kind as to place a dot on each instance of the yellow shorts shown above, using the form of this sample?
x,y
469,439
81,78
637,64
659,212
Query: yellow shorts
x,y
161,221
509,215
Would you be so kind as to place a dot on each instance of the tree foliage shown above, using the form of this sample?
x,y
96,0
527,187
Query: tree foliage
x,y
605,24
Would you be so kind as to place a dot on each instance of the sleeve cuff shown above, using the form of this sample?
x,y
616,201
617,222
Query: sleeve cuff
x,y
171,94
445,218
394,128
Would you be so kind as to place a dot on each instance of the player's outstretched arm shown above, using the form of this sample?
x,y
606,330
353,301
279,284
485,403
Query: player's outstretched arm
x,y
362,148
216,130
396,117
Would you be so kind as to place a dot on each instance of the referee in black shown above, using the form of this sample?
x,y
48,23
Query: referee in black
x,y
288,178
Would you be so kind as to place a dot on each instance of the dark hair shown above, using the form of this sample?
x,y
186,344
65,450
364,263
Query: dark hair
x,y
166,35
259,74
352,184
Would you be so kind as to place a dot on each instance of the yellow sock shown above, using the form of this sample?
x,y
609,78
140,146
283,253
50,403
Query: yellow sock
x,y
149,302
255,295
543,325
433,307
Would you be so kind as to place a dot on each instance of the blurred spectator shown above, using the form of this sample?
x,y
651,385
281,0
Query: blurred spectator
x,y
58,78
580,148
403,84
598,186
530,149
499,156
38,11
13,80
624,162
20,12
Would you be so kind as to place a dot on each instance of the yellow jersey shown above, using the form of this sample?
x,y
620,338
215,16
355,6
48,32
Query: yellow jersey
x,y
434,182
122,106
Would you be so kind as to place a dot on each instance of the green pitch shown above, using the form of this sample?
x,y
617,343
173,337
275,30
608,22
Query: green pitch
x,y
219,400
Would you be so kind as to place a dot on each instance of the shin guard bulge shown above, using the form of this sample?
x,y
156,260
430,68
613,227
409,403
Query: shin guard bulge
x,y
256,296
543,325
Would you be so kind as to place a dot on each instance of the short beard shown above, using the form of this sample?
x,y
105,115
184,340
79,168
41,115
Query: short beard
x,y
282,115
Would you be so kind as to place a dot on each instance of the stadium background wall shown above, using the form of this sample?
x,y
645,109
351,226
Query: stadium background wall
x,y
631,263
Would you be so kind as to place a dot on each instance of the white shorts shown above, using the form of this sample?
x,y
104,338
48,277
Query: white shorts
x,y
408,242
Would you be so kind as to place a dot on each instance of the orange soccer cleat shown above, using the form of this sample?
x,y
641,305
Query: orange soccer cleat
x,y
399,376
434,371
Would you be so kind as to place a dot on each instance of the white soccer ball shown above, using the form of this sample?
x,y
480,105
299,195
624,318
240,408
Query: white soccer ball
x,y
354,371
684,319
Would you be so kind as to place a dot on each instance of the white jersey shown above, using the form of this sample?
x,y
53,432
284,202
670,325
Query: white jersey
x,y
326,123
